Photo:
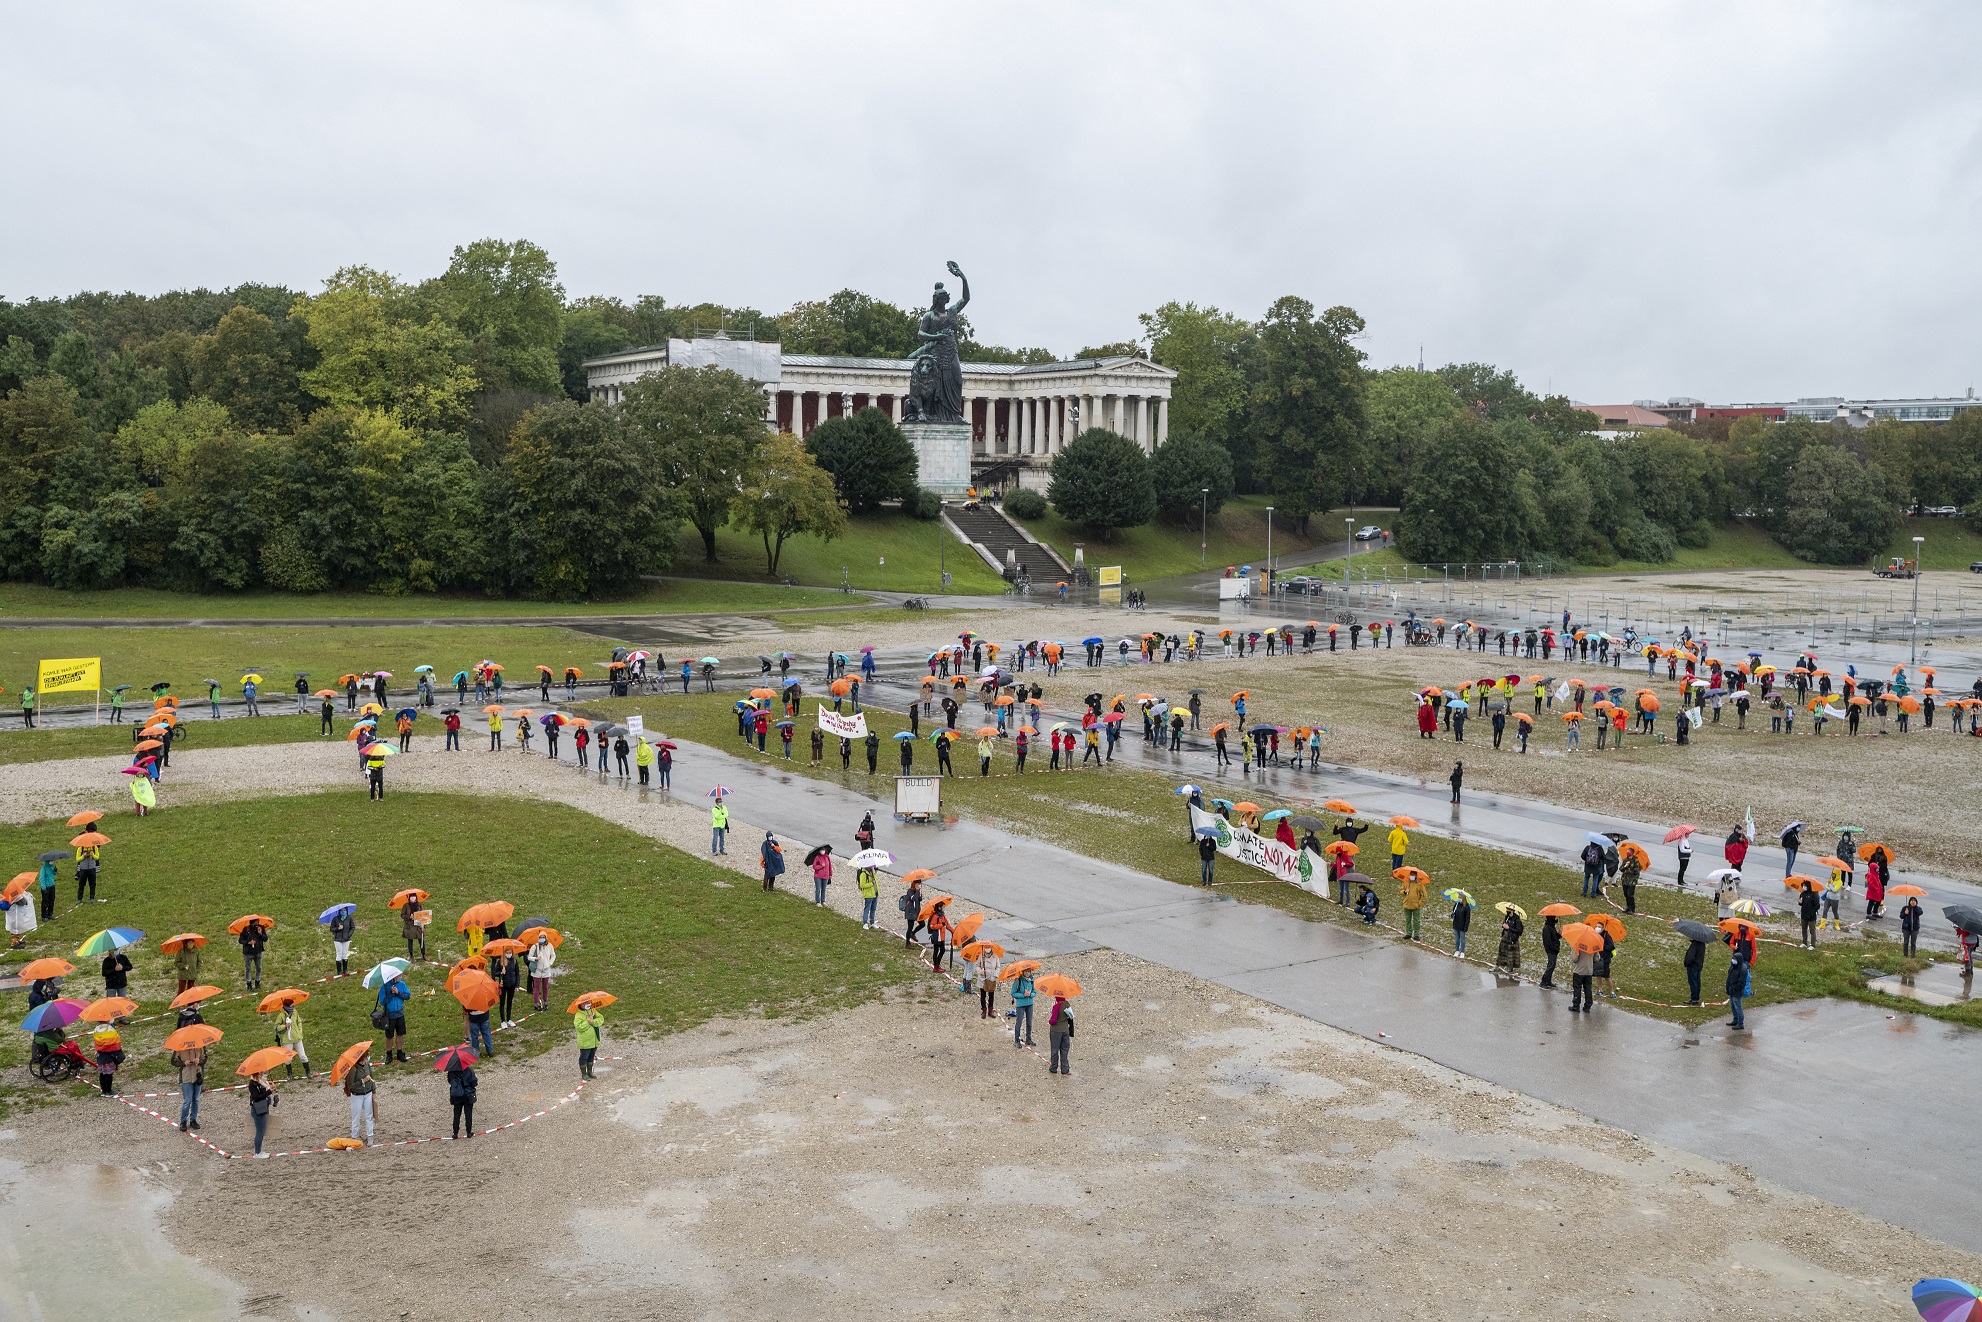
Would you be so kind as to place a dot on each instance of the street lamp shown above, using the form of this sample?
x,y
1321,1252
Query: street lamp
x,y
1269,550
1349,563
1913,648
1203,536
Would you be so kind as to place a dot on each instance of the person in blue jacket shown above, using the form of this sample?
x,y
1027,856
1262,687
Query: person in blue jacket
x,y
1022,995
392,1004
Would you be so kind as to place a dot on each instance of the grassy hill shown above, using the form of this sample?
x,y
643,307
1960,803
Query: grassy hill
x,y
910,548
1236,536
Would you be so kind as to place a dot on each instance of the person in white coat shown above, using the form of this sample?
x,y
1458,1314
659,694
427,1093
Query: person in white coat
x,y
542,956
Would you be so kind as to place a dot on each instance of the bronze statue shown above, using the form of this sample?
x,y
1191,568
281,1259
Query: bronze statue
x,y
935,390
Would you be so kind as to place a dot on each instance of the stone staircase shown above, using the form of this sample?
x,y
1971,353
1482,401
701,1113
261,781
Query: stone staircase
x,y
987,527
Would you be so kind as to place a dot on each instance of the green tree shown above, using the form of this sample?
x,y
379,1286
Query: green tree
x,y
377,349
219,494
1101,481
705,427
849,324
1191,477
869,458
42,431
1210,351
591,329
246,367
788,493
1404,409
504,297
1308,406
1840,510
159,442
1468,502
566,462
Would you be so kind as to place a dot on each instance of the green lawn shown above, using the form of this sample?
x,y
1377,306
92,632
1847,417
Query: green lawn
x,y
671,596
911,548
1950,543
1237,535
1373,561
1131,815
646,922
44,745
141,656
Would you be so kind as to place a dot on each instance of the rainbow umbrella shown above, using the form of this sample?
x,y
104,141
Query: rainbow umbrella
x,y
51,1014
1939,1299
109,939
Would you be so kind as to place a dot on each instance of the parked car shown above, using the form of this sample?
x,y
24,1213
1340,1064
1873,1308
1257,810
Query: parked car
x,y
1369,532
1976,567
1944,511
1301,583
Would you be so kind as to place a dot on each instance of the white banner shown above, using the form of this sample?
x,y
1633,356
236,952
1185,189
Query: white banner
x,y
846,727
1301,867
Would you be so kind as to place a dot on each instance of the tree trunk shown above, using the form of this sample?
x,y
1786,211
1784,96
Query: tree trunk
x,y
708,531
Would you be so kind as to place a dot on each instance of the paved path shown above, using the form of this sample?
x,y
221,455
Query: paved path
x,y
1835,1099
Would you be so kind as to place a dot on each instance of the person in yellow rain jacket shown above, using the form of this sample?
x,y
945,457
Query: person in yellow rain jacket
x,y
719,827
1399,842
495,732
984,756
643,757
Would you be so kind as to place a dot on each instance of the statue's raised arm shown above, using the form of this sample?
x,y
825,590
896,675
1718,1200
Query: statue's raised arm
x,y
964,281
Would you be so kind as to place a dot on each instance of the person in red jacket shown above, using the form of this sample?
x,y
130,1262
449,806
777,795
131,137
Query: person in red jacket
x,y
1736,849
1427,721
453,724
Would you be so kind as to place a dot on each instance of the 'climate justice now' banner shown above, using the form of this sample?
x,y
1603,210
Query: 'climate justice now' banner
x,y
846,727
1302,867
66,676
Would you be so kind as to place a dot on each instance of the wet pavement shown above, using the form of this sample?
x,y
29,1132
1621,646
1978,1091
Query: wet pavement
x,y
1838,1100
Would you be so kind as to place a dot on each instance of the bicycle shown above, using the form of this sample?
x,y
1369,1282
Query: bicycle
x,y
916,604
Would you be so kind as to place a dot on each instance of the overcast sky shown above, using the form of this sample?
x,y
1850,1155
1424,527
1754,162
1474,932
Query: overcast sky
x,y
1617,200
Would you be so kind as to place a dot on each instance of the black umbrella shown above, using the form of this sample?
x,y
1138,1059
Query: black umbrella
x,y
1696,931
162,684
54,856
1966,917
1197,690
450,711
1358,878
122,688
812,855
1310,823
1615,837
301,674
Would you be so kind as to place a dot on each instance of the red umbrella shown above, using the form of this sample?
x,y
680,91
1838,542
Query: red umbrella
x,y
454,1056
1679,832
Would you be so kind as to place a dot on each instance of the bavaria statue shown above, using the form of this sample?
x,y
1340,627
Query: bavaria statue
x,y
935,391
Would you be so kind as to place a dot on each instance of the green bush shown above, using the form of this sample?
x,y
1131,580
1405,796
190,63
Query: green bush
x,y
1025,503
1696,536
1641,539
924,504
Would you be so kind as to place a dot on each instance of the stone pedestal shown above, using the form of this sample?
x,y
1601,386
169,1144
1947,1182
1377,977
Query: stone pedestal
x,y
942,455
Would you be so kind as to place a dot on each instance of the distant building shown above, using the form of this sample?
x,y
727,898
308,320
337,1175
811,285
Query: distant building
x,y
1021,415
1625,417
1816,408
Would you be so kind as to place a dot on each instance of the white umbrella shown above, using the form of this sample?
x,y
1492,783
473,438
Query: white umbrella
x,y
873,858
385,972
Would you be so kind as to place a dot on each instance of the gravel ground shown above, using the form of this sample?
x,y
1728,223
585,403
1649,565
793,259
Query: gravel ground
x,y
1209,1157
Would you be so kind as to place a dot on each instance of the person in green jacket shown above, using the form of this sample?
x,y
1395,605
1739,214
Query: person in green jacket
x,y
116,706
590,1024
718,827
27,706
1022,995
495,732
870,893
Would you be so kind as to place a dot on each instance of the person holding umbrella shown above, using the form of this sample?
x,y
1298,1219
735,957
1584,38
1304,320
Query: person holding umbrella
x,y
461,1088
261,1101
590,1025
542,956
362,1089
392,998
190,1062
820,860
254,940
1508,957
772,856
1909,927
1737,982
718,824
1060,1037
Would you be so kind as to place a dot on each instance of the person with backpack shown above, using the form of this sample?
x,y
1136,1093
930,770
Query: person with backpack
x,y
772,855
391,1017
461,1088
1060,1037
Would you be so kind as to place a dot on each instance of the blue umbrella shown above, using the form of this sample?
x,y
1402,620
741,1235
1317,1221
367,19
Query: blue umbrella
x,y
407,712
1222,803
1206,830
1276,814
1187,790
905,737
52,1014
1600,841
788,681
783,724
334,910
1461,704
460,677
1089,642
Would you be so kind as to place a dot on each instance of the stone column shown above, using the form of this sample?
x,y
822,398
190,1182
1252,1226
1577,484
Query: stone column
x,y
1162,421
1026,425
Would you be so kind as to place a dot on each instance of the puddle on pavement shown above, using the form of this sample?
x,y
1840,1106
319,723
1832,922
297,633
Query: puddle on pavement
x,y
92,1234
713,1089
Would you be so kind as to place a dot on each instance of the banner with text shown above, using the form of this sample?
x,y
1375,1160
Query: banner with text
x,y
66,676
846,727
1302,867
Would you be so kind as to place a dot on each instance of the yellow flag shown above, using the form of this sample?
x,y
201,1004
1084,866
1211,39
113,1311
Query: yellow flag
x,y
84,673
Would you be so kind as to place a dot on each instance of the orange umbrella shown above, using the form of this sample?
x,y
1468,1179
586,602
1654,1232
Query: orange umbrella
x,y
1907,889
592,1000
352,1055
975,950
173,944
485,915
146,745
18,886
1057,984
919,874
493,709
1796,881
967,927
1572,716
1340,847
1606,922
1649,704
1909,704
1738,927
90,840
192,1037
1560,910
929,905
1859,700
1018,970
763,693
193,995
477,992
240,925
260,1062
1406,821
986,731
1866,850
1408,873
507,945
1632,849
1583,937
470,964
1524,718
281,1000
528,936
839,688
46,967
1345,808
1833,861
85,818
413,895
107,1009
1247,809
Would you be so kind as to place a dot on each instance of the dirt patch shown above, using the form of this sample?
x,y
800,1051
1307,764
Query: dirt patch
x,y
1210,1156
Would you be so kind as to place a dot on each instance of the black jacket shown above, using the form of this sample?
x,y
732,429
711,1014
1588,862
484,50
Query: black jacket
x,y
1350,831
1696,955
1737,973
1551,936
1207,848
1807,904
1462,916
